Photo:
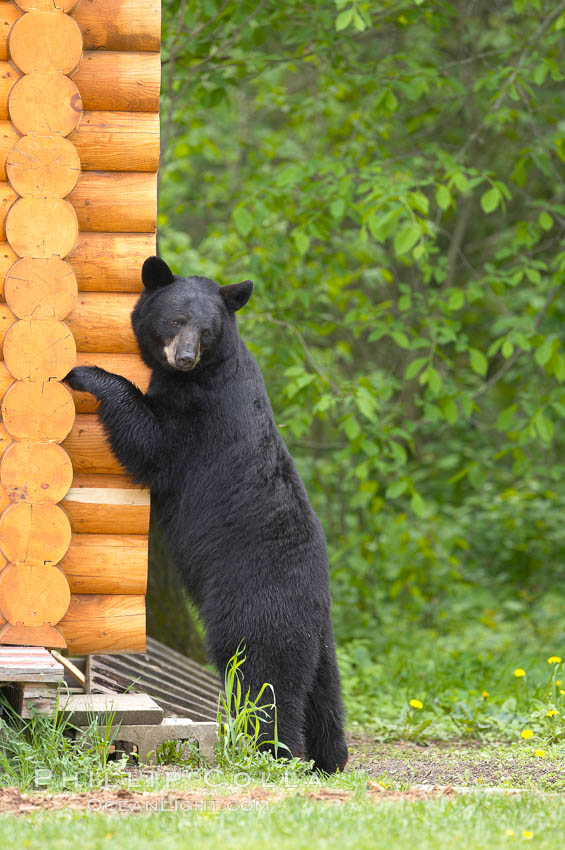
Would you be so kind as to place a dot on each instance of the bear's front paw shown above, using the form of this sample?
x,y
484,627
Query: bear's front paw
x,y
82,378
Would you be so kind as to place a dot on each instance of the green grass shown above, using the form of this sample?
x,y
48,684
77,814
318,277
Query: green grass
x,y
473,821
451,671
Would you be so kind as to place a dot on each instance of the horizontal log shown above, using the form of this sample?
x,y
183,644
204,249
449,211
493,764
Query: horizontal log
x,y
88,447
7,259
8,138
131,366
133,25
118,141
8,77
41,227
9,14
103,563
33,595
6,379
127,82
43,103
34,534
8,198
43,166
46,5
38,411
104,623
7,319
20,635
38,349
107,262
107,504
116,201
36,473
45,41
40,289
101,321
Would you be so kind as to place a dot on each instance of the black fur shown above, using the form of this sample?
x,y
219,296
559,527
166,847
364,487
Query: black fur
x,y
234,512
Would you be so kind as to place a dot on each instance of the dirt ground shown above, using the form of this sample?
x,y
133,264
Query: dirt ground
x,y
455,764
397,771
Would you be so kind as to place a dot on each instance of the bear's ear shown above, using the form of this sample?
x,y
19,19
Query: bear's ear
x,y
156,273
236,295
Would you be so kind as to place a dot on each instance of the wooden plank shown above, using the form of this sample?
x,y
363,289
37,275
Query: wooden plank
x,y
132,709
116,141
102,563
28,664
71,668
131,25
111,201
116,81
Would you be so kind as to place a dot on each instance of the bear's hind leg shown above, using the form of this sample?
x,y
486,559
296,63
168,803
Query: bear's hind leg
x,y
325,741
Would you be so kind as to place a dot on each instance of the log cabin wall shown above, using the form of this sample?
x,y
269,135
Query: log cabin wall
x,y
79,152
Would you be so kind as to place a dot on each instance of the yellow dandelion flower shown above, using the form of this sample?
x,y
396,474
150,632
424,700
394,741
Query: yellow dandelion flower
x,y
551,713
526,733
484,694
509,832
554,659
518,672
562,692
539,753
415,703
527,834
558,682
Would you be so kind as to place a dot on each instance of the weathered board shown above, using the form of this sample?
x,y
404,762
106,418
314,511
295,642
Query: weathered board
x,y
79,152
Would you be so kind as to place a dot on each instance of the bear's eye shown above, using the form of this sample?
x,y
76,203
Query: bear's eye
x,y
206,332
175,323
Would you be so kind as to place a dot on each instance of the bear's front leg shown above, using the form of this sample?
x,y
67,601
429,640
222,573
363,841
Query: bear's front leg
x,y
130,424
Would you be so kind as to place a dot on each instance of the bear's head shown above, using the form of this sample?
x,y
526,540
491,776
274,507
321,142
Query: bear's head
x,y
181,322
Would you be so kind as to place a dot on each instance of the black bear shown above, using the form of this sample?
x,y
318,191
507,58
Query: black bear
x,y
232,508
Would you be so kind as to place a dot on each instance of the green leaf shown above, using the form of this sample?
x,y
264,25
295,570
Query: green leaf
x,y
418,505
434,380
243,220
545,221
415,367
337,208
344,19
406,238
479,363
456,300
490,199
544,427
443,197
393,491
544,352
351,427
301,241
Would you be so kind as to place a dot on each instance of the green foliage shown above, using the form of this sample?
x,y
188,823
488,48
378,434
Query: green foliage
x,y
48,751
245,723
391,177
